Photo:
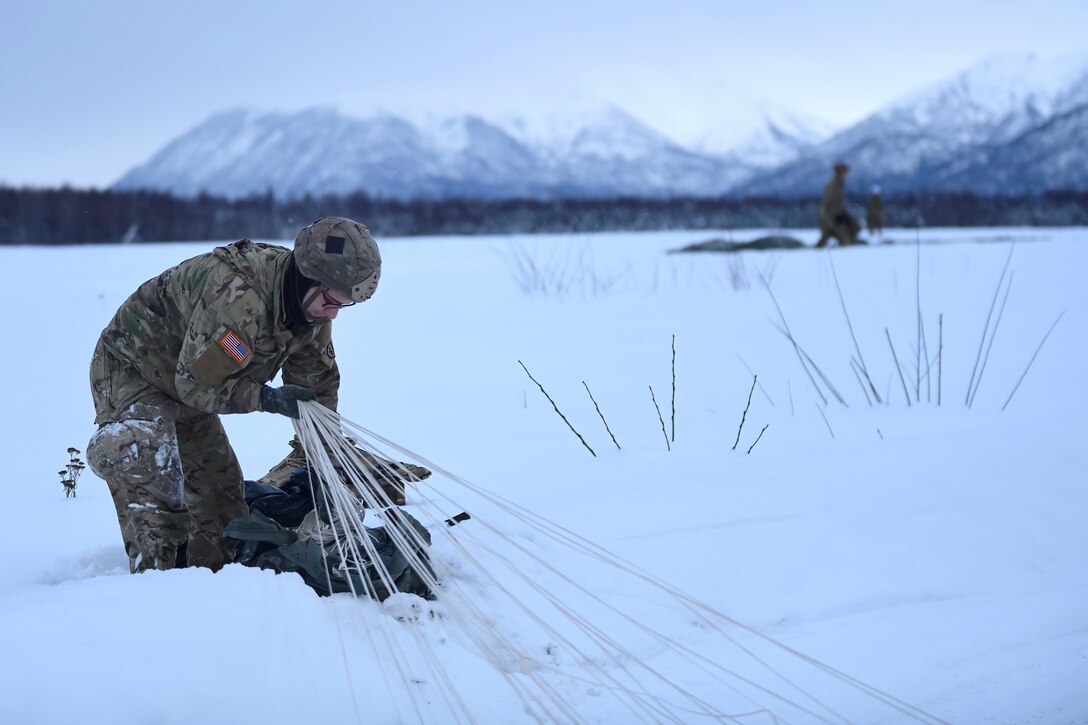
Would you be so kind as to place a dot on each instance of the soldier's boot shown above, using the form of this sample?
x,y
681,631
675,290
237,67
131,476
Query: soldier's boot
x,y
281,472
158,534
391,476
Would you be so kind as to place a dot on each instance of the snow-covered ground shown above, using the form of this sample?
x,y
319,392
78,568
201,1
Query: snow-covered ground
x,y
936,553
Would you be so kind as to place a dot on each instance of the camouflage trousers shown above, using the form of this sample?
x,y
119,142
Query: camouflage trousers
x,y
845,230
171,472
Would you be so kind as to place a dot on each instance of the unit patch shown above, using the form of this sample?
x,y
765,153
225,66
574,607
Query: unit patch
x,y
234,347
334,245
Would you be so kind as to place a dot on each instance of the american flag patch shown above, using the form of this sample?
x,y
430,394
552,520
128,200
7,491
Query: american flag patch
x,y
234,347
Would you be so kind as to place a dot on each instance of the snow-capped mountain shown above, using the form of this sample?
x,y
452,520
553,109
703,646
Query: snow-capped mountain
x,y
583,149
1052,155
318,151
929,139
1014,123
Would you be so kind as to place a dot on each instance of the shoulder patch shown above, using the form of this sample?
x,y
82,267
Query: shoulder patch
x,y
329,352
234,347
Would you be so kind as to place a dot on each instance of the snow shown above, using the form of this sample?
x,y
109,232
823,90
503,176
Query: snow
x,y
933,552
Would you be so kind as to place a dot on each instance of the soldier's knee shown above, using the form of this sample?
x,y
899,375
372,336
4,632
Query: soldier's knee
x,y
141,453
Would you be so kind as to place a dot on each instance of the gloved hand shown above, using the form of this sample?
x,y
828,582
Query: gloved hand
x,y
284,400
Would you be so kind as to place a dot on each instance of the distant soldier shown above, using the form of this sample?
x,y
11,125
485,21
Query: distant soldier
x,y
874,212
202,339
835,221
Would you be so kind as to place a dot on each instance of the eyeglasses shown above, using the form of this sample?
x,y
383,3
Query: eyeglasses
x,y
331,304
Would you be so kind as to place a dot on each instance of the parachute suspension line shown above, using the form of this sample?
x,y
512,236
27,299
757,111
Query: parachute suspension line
x,y
343,509
569,538
609,647
574,541
653,714
366,486
307,434
325,436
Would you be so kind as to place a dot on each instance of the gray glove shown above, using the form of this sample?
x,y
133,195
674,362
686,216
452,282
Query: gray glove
x,y
284,400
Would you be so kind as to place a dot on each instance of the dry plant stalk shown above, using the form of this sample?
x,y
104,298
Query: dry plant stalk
x,y
556,408
990,344
986,328
855,366
674,388
1024,374
745,413
897,366
925,356
759,385
850,326
789,336
757,438
824,416
918,313
602,415
660,419
940,354
69,475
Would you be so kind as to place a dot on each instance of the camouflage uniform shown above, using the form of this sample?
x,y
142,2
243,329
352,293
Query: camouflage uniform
x,y
197,341
874,213
835,221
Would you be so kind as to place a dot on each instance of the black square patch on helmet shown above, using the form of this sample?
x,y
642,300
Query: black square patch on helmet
x,y
334,245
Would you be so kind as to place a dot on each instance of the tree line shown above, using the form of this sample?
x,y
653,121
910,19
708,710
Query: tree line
x,y
80,216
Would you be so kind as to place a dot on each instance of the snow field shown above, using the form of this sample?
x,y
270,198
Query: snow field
x,y
935,553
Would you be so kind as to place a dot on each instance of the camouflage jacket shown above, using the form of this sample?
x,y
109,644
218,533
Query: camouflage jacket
x,y
211,331
832,204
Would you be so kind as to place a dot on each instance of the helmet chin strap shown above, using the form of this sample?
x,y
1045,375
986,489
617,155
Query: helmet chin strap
x,y
307,299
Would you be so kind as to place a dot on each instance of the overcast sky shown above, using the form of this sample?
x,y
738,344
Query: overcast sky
x,y
90,88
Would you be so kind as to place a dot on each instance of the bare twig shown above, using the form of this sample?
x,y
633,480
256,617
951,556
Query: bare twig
x,y
1022,375
855,366
925,356
918,313
674,388
807,360
760,385
897,366
990,344
556,408
789,391
857,348
880,434
985,329
662,420
825,420
602,415
745,413
758,437
940,354
827,381
789,336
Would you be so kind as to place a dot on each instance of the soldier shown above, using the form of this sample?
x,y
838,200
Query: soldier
x,y
874,212
202,339
835,221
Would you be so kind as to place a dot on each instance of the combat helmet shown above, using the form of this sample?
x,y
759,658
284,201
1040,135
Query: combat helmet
x,y
341,255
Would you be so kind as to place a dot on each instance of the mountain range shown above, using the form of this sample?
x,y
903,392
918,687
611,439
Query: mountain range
x,y
1011,124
